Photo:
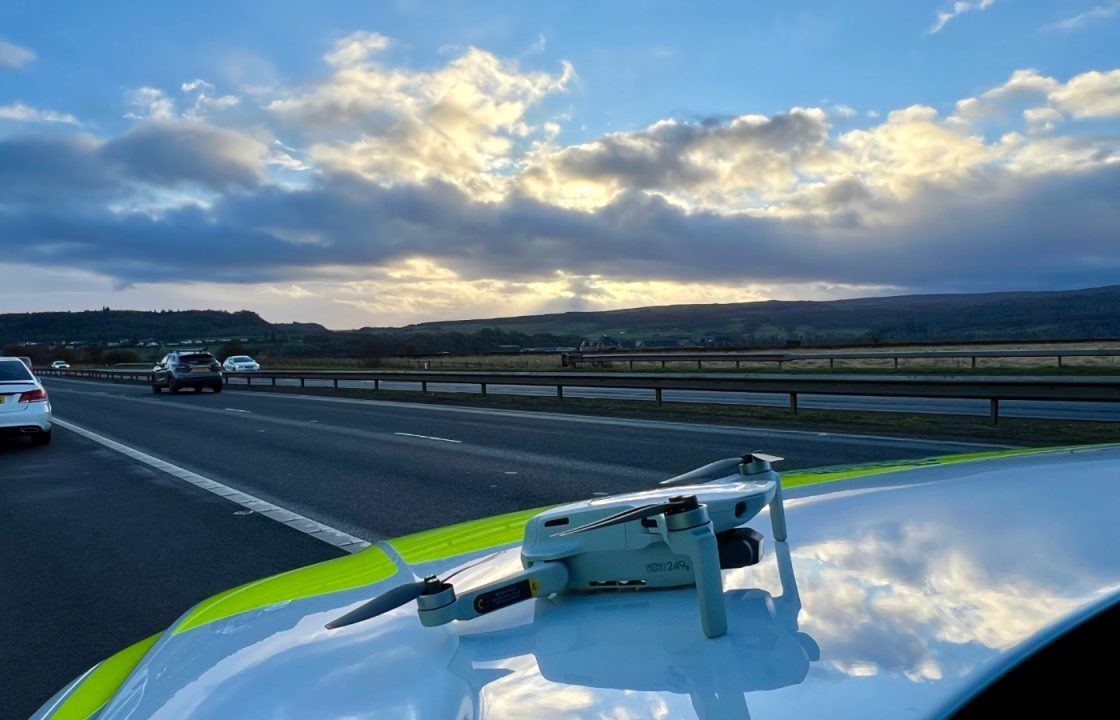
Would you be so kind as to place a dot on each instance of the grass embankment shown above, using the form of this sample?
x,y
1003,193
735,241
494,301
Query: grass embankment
x,y
1010,431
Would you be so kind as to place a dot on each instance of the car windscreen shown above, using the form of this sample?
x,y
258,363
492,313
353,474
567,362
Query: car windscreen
x,y
14,371
240,359
197,359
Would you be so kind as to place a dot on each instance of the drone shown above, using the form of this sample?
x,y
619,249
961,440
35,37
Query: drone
x,y
652,539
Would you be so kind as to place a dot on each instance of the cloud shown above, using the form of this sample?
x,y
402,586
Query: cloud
x,y
722,163
13,57
354,49
347,225
1092,94
150,103
88,177
1086,18
458,123
174,152
958,8
19,112
196,84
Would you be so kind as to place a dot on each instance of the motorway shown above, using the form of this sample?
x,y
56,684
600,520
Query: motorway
x,y
1101,411
101,550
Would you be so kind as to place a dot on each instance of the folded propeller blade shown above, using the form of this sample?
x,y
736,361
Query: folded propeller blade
x,y
389,600
711,471
639,513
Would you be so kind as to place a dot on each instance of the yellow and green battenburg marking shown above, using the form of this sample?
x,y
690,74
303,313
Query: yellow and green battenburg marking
x,y
373,565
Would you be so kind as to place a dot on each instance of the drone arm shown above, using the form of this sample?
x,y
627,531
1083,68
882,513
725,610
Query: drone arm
x,y
778,511
540,580
702,549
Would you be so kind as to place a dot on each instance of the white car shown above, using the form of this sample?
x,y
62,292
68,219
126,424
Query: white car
x,y
240,363
60,365
24,407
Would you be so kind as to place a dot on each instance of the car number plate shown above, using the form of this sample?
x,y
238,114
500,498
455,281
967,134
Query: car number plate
x,y
201,369
2,399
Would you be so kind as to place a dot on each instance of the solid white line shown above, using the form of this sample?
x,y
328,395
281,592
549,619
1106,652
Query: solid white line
x,y
429,437
305,525
239,410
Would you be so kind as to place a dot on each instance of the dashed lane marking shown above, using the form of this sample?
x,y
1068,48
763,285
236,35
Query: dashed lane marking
x,y
428,437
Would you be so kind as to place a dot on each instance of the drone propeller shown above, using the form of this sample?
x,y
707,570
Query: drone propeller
x,y
717,469
638,513
389,600
393,598
720,468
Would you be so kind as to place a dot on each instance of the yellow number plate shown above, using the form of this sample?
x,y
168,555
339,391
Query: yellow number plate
x,y
2,398
201,370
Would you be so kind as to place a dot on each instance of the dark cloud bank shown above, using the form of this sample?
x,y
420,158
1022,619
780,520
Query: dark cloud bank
x,y
1008,231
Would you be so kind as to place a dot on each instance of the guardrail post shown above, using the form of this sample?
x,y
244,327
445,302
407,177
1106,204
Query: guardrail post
x,y
973,362
793,402
631,364
993,411
376,384
1059,361
559,392
301,382
896,363
699,364
662,364
657,394
482,386
737,364
423,386
249,381
273,381
336,383
831,363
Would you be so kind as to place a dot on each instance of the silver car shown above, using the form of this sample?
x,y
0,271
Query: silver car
x,y
240,363
24,406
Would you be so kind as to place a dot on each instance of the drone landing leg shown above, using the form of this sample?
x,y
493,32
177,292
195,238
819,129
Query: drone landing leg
x,y
778,512
702,548
541,580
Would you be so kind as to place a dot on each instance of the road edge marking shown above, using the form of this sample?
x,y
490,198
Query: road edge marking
x,y
300,523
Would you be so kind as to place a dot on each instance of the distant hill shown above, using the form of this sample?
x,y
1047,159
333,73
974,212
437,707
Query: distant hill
x,y
1057,315
1063,315
101,326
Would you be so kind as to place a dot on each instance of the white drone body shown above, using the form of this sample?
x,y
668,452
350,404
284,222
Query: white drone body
x,y
652,539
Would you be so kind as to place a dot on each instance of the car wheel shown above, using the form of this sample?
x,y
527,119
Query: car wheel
x,y
43,438
173,387
156,388
217,388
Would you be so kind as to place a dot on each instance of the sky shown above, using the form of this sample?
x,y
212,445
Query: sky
x,y
383,163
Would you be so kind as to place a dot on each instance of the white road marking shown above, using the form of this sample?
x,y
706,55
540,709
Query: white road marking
x,y
429,437
239,410
306,525
509,472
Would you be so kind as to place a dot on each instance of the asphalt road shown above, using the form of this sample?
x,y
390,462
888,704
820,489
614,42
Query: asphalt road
x,y
944,406
100,551
378,469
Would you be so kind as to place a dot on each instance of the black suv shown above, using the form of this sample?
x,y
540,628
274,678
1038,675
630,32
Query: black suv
x,y
187,369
